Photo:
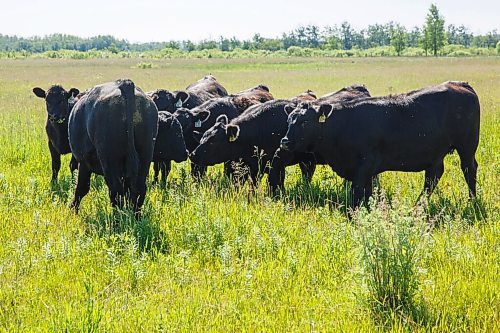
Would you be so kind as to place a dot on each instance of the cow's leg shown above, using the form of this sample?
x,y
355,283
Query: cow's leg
x,y
432,176
82,185
198,171
156,169
73,164
165,170
469,169
138,189
253,171
276,178
228,169
113,175
361,191
56,161
361,187
307,168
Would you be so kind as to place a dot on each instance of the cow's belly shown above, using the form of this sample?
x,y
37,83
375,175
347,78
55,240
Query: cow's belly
x,y
413,157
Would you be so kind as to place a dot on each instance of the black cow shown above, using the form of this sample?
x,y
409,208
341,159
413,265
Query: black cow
x,y
343,95
306,96
408,132
252,137
169,144
205,115
111,132
309,160
195,94
199,119
257,94
59,103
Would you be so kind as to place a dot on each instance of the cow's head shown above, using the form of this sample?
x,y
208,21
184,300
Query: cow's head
x,y
185,118
218,144
170,143
167,100
181,99
305,127
163,99
205,115
58,101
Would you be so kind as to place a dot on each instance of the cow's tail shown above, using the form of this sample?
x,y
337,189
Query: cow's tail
x,y
127,88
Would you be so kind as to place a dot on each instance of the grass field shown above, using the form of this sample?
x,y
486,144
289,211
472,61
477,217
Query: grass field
x,y
208,257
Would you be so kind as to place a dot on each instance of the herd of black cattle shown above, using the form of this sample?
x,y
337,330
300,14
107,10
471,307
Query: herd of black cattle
x,y
116,130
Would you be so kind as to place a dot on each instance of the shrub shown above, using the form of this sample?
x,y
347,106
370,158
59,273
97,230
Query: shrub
x,y
451,48
394,241
459,53
413,52
144,65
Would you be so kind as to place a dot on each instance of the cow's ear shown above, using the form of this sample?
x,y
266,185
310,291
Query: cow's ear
x,y
39,92
289,108
201,117
242,103
324,111
263,87
311,93
180,98
232,131
222,119
73,92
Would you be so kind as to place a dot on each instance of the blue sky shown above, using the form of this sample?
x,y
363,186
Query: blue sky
x,y
156,20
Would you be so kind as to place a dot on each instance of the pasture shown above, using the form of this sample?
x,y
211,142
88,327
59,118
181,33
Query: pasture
x,y
209,257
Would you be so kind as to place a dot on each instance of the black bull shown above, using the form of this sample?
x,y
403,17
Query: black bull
x,y
409,132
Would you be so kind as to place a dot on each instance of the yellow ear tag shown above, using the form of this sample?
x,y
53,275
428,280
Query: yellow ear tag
x,y
232,138
322,118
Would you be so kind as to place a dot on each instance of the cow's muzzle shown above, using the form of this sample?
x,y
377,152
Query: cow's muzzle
x,y
182,157
285,143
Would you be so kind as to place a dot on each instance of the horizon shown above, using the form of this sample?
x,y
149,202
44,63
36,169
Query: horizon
x,y
197,28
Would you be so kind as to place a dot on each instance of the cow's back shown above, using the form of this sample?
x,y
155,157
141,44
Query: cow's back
x,y
266,123
98,125
208,87
406,132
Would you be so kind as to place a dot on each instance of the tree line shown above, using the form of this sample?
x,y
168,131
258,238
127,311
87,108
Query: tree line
x,y
431,37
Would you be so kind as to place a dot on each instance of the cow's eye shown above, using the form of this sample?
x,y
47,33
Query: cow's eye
x,y
304,123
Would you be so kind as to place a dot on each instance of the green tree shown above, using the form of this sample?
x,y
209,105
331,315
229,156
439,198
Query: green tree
x,y
414,37
434,30
189,46
399,38
346,34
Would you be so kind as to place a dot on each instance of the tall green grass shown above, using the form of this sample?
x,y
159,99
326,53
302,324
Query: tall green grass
x,y
211,257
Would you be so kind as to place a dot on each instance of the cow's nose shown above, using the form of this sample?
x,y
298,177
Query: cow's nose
x,y
284,143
